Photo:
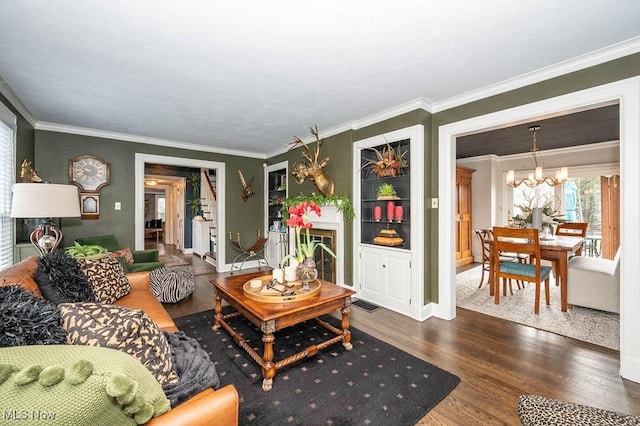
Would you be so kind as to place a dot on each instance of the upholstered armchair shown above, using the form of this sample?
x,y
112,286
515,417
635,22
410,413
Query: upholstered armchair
x,y
143,260
594,283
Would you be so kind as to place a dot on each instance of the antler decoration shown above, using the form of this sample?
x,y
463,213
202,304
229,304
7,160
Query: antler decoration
x,y
246,187
312,169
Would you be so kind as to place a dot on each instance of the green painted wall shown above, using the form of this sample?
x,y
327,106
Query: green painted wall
x,y
54,150
58,148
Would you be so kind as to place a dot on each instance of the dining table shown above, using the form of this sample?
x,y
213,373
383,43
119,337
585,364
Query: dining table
x,y
553,248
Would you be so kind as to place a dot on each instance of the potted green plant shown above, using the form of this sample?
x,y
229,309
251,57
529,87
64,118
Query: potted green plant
x,y
78,251
194,203
386,191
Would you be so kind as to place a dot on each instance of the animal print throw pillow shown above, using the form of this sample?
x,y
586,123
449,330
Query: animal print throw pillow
x,y
107,278
128,330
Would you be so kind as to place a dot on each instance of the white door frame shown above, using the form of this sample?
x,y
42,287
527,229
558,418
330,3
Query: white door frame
x,y
141,159
627,94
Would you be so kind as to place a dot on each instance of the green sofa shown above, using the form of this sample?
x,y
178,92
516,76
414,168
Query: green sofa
x,y
143,260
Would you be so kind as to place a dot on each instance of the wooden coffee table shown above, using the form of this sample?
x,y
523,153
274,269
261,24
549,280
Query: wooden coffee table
x,y
271,317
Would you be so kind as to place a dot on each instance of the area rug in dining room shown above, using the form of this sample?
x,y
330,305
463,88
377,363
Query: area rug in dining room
x,y
170,260
374,383
589,325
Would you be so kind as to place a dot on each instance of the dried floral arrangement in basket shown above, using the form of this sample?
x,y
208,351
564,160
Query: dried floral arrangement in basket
x,y
389,162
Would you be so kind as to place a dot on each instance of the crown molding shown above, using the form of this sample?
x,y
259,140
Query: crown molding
x,y
15,101
412,105
470,160
587,60
560,151
62,128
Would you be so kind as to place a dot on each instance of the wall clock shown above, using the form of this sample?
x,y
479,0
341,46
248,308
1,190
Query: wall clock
x,y
89,205
89,173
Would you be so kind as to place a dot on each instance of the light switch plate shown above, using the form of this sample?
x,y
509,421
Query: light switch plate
x,y
434,203
118,205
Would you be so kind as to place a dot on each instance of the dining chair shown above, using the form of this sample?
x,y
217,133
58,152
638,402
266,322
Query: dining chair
x,y
522,241
571,229
485,236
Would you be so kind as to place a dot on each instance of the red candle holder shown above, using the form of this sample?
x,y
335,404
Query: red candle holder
x,y
390,210
377,213
399,213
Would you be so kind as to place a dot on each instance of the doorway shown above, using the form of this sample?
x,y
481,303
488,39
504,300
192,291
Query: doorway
x,y
627,94
142,159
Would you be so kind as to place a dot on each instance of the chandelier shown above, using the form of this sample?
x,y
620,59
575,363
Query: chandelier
x,y
537,178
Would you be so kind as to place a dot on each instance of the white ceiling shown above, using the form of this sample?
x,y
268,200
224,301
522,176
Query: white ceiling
x,y
248,75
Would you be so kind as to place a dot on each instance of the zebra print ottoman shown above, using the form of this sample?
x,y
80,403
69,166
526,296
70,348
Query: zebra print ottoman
x,y
173,283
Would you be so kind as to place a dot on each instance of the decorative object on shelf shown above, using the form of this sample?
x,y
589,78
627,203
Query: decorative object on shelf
x,y
377,213
536,204
27,174
391,210
536,179
90,174
276,200
276,225
305,245
312,169
246,187
341,202
399,213
283,183
54,201
386,191
389,162
388,237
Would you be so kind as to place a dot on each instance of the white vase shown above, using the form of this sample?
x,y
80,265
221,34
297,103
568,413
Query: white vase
x,y
536,218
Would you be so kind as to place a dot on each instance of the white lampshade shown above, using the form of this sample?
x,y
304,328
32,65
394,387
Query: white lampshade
x,y
45,200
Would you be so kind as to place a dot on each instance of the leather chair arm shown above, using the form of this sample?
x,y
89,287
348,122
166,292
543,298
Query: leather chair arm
x,y
220,407
140,280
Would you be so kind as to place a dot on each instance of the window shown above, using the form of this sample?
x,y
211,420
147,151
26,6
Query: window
x,y
582,201
160,207
7,178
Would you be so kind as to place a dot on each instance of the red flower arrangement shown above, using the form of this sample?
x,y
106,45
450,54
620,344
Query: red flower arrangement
x,y
299,219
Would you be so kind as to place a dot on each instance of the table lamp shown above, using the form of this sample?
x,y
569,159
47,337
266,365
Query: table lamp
x,y
46,201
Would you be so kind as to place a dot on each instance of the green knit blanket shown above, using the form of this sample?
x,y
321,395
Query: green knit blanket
x,y
76,385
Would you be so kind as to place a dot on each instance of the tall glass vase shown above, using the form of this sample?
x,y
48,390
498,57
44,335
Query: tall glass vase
x,y
307,272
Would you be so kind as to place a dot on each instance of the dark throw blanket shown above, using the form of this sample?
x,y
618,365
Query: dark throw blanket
x,y
193,365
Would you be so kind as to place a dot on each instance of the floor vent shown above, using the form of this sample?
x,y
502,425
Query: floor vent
x,y
369,307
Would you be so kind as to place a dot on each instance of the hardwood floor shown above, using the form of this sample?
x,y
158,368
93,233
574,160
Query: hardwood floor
x,y
496,360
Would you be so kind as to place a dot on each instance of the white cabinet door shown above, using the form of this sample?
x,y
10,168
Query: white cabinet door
x,y
385,278
200,237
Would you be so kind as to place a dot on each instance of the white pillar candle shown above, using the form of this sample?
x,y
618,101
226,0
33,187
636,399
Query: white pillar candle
x,y
290,273
278,275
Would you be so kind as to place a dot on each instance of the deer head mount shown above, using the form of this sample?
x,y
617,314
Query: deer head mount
x,y
27,174
312,169
246,187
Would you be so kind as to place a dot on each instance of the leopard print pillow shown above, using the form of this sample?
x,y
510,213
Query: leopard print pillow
x,y
128,330
107,278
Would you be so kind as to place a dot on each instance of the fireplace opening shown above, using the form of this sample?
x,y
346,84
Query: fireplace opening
x,y
325,263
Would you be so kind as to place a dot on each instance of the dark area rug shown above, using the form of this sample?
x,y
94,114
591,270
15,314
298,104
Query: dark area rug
x,y
374,383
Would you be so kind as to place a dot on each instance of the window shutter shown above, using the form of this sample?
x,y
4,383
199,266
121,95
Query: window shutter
x,y
7,179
